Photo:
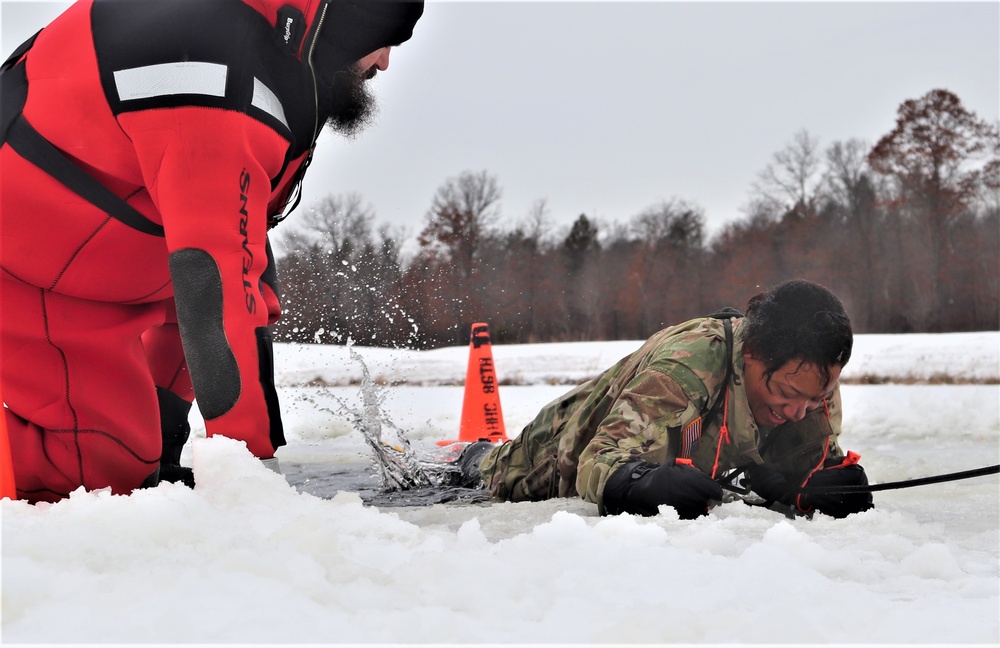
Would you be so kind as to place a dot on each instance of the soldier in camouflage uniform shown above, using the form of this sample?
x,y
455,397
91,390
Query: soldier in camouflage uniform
x,y
664,423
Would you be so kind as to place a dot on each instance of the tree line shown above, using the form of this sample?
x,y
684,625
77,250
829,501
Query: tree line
x,y
905,231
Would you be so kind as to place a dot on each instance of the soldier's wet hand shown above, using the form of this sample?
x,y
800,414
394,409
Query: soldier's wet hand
x,y
836,473
641,487
768,483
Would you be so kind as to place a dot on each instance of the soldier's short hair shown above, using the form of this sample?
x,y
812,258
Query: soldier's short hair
x,y
798,320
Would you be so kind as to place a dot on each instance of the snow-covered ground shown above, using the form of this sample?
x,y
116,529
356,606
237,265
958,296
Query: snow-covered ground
x,y
248,558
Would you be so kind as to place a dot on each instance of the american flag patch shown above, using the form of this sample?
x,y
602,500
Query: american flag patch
x,y
690,436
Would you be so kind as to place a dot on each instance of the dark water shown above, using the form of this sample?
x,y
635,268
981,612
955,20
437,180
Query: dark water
x,y
396,475
326,480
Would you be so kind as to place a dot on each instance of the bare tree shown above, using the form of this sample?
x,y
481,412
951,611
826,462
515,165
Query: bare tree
x,y
335,221
523,277
936,152
670,241
789,183
851,189
339,279
936,156
462,212
458,225
991,173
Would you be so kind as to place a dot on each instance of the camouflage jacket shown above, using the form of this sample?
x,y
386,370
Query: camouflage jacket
x,y
666,400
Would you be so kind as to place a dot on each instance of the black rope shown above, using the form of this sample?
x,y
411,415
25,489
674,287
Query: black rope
x,y
906,483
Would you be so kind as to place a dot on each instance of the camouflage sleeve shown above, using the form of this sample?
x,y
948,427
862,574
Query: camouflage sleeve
x,y
639,427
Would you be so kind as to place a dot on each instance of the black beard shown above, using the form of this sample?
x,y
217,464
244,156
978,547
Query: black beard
x,y
351,105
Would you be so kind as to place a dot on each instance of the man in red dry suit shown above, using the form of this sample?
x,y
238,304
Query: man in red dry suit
x,y
147,148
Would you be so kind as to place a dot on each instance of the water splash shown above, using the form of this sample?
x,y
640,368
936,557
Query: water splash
x,y
395,460
405,478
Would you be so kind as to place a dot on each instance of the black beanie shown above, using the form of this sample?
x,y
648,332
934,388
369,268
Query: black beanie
x,y
353,29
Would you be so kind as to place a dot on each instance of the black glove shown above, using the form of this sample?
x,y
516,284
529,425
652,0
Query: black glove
x,y
174,473
470,476
175,429
640,487
837,472
768,483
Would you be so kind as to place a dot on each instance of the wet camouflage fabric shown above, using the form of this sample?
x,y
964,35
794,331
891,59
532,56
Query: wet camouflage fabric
x,y
637,410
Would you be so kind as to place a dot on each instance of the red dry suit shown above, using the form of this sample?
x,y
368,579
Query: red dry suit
x,y
196,119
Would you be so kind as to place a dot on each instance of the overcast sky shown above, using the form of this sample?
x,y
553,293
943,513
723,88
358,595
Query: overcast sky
x,y
607,108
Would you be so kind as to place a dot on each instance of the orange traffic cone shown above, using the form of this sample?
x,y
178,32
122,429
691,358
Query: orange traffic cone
x,y
7,488
482,417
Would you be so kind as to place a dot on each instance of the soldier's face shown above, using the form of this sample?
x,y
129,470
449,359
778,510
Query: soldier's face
x,y
794,390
